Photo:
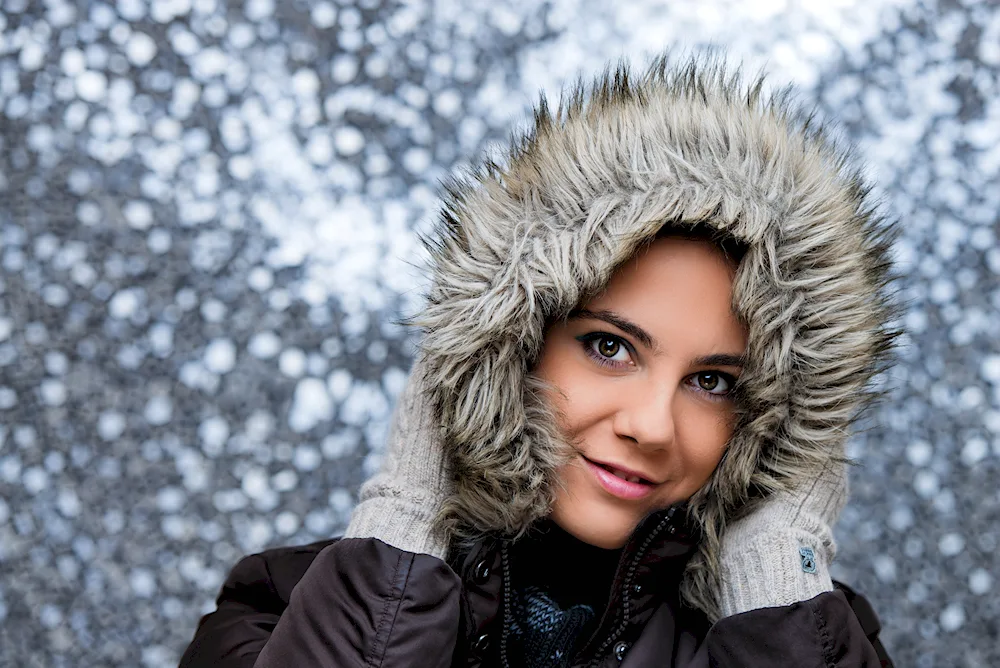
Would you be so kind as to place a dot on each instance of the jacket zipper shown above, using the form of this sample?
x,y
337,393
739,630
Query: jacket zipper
x,y
507,599
627,587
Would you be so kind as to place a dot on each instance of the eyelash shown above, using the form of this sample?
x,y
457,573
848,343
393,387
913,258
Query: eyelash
x,y
588,341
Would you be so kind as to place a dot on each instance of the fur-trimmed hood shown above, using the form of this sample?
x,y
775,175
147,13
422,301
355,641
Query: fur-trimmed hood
x,y
522,243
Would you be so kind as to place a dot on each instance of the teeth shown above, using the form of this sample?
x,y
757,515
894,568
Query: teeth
x,y
624,476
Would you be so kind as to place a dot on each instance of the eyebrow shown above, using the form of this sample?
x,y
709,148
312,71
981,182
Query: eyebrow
x,y
621,323
643,337
722,359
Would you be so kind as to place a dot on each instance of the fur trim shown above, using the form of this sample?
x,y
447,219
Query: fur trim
x,y
523,243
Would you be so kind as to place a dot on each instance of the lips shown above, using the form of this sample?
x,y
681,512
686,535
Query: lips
x,y
619,482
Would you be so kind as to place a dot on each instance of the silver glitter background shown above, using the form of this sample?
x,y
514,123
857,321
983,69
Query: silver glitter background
x,y
208,218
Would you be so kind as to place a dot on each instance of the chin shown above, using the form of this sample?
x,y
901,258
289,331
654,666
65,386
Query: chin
x,y
597,527
607,541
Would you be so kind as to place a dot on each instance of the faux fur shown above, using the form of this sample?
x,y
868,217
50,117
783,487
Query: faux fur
x,y
523,242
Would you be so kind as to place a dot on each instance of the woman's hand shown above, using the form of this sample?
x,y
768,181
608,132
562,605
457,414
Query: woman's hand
x,y
399,504
781,552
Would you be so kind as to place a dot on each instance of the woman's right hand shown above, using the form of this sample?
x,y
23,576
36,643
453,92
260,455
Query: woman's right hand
x,y
399,504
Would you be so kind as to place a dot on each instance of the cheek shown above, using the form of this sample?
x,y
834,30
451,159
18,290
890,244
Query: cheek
x,y
574,392
703,436
579,410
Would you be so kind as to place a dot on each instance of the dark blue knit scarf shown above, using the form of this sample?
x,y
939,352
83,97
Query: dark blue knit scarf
x,y
543,635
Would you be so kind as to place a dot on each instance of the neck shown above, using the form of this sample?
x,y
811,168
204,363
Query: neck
x,y
571,570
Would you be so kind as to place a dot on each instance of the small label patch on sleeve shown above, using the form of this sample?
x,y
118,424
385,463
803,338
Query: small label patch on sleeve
x,y
808,559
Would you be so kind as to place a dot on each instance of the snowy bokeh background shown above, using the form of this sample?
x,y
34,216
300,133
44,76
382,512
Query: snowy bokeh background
x,y
209,214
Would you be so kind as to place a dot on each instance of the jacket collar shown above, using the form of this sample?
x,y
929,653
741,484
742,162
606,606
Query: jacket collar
x,y
648,574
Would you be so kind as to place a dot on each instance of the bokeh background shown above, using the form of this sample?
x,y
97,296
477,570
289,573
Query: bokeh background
x,y
208,217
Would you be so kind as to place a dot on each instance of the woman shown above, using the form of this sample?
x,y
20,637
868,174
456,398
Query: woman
x,y
647,336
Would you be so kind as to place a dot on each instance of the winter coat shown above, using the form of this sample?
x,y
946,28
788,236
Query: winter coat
x,y
524,241
360,602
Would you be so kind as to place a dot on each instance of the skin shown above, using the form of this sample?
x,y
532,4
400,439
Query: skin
x,y
633,381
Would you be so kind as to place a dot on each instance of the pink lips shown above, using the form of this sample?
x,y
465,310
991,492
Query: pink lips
x,y
616,486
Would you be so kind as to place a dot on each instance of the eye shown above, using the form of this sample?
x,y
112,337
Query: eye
x,y
714,383
606,349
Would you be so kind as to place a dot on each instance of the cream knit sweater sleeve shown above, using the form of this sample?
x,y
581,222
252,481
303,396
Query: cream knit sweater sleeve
x,y
399,503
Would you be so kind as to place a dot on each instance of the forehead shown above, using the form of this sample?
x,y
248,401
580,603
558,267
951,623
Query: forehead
x,y
679,291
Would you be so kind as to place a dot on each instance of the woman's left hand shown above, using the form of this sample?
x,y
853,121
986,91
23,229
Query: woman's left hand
x,y
781,552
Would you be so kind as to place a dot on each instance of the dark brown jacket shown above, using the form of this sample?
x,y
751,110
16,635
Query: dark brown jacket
x,y
359,602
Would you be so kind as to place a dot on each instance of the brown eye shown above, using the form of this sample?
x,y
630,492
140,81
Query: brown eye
x,y
708,381
608,347
714,382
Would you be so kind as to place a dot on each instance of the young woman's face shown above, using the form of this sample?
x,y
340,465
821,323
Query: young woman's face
x,y
640,378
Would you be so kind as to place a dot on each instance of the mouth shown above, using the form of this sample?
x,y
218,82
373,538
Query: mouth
x,y
624,475
619,482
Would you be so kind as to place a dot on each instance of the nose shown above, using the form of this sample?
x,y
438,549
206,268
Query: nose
x,y
646,416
